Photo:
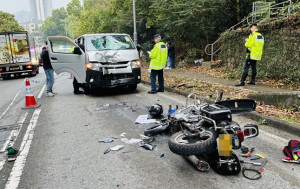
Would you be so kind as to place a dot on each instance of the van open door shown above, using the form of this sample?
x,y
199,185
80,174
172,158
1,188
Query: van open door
x,y
66,56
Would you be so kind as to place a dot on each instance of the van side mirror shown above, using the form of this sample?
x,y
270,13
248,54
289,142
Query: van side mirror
x,y
77,51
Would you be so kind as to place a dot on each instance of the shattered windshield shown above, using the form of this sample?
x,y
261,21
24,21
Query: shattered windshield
x,y
109,42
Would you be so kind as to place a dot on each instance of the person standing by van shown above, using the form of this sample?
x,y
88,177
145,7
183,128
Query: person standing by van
x,y
48,70
158,56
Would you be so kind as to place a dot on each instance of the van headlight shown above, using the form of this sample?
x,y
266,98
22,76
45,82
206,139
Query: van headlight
x,y
93,66
136,64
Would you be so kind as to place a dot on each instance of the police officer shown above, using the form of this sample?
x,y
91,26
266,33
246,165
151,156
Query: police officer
x,y
254,45
158,56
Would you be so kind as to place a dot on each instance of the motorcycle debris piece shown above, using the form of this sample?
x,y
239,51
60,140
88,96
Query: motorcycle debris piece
x,y
107,140
146,139
244,149
291,161
131,141
115,148
250,162
201,165
147,146
254,171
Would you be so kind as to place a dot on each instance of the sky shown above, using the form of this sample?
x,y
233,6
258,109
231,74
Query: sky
x,y
13,6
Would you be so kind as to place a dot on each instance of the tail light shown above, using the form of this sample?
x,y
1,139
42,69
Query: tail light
x,y
29,67
240,135
0,69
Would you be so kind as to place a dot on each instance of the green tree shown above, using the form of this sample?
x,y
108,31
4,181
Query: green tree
x,y
54,25
8,23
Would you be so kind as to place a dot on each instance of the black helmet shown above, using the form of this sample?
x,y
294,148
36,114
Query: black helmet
x,y
156,110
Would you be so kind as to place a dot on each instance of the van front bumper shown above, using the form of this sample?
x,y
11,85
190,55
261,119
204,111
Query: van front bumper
x,y
96,79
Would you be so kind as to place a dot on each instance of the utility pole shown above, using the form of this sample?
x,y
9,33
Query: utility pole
x,y
134,25
66,27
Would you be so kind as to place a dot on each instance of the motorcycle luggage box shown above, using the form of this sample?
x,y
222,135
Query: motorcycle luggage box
x,y
216,112
238,105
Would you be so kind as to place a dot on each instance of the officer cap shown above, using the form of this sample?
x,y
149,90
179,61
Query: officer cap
x,y
253,25
156,36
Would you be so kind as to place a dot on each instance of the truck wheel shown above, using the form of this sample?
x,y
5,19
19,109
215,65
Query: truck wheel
x,y
181,144
6,77
33,73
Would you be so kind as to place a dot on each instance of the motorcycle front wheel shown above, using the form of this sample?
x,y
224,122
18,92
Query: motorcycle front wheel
x,y
181,144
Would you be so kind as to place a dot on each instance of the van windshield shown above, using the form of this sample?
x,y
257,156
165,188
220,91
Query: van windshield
x,y
108,42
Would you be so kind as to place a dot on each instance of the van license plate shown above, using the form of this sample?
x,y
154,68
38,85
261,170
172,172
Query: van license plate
x,y
14,68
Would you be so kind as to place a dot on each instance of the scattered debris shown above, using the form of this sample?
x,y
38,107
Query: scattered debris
x,y
108,140
146,146
146,139
250,162
131,141
144,119
115,148
11,154
162,155
248,154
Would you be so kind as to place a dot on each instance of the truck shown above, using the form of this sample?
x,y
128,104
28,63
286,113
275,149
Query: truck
x,y
16,57
103,60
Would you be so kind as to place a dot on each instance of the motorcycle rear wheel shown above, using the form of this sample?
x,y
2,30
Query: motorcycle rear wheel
x,y
181,144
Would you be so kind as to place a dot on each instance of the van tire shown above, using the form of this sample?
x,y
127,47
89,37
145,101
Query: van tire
x,y
132,87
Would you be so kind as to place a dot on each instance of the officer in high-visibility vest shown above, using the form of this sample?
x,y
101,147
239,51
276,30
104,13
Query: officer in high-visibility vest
x,y
158,56
254,45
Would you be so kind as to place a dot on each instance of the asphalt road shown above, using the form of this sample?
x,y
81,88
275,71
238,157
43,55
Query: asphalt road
x,y
60,149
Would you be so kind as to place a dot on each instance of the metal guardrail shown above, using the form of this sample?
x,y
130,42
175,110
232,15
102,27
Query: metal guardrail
x,y
252,15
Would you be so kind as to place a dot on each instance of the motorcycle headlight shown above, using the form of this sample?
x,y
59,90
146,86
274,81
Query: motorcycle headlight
x,y
136,64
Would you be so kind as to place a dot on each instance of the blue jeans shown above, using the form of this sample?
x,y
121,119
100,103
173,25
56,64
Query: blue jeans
x,y
49,79
170,62
160,74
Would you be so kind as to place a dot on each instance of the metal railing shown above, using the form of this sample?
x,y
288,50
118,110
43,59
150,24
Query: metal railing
x,y
210,48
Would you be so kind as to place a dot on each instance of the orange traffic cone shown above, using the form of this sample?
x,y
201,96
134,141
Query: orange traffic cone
x,y
29,98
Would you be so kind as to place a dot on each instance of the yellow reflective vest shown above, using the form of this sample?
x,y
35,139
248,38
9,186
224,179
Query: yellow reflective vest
x,y
255,44
158,56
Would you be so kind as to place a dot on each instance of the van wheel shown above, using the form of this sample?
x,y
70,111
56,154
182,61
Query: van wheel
x,y
132,87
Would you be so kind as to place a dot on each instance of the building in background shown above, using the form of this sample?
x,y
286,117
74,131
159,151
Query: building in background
x,y
40,9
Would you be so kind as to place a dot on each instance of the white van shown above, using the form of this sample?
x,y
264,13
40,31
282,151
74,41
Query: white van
x,y
97,60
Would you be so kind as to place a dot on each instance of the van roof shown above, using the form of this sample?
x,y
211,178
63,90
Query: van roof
x,y
96,34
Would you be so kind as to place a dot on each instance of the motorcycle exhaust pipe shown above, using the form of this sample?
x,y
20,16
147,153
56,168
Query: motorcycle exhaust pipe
x,y
201,165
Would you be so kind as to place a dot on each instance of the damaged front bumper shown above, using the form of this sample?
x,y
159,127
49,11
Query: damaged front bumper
x,y
96,79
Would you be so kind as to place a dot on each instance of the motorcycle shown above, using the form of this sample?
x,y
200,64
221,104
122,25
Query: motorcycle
x,y
206,134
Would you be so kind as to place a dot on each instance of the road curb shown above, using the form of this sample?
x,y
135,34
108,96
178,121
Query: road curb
x,y
272,122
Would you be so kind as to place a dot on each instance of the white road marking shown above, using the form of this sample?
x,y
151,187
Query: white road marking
x,y
11,139
41,92
16,173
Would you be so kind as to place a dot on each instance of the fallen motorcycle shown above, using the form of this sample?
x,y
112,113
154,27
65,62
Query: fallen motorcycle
x,y
205,133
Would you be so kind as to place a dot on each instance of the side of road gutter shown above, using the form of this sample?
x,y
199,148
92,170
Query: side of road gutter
x,y
273,122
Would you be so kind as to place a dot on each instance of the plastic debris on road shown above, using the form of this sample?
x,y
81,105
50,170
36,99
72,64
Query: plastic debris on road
x,y
107,140
146,146
115,148
131,141
146,139
144,119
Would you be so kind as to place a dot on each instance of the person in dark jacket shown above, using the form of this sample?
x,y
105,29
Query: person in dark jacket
x,y
48,71
171,56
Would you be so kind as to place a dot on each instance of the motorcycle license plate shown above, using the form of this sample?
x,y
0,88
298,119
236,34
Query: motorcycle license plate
x,y
224,145
14,68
